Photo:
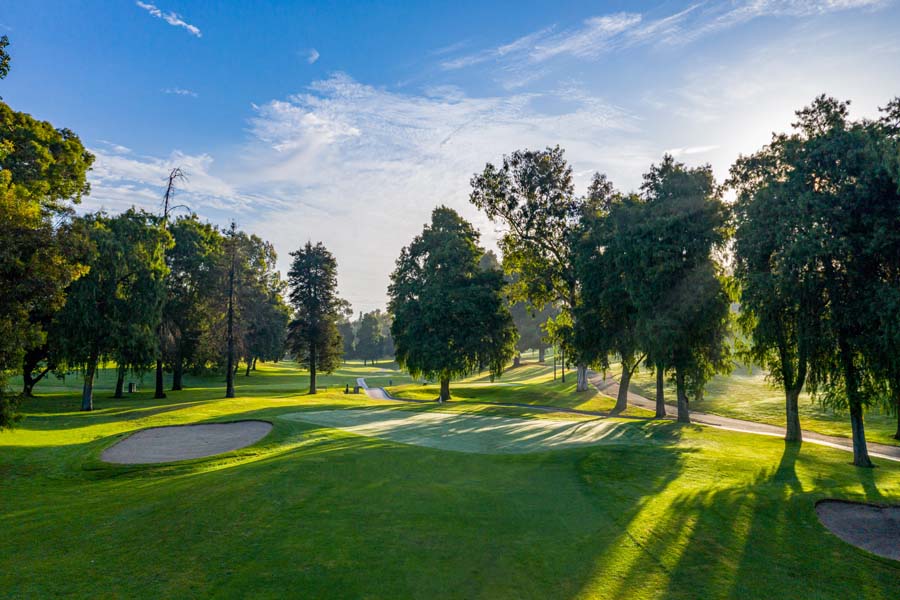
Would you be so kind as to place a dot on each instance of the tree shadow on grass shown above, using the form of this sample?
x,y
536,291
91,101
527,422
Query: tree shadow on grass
x,y
759,539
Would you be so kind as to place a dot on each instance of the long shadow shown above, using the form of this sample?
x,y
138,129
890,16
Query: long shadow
x,y
755,539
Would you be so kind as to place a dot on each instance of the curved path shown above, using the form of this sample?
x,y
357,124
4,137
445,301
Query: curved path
x,y
610,387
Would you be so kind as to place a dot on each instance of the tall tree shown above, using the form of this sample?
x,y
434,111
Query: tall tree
x,y
122,292
849,193
194,288
450,316
531,194
679,288
314,337
232,268
368,338
783,299
608,318
42,173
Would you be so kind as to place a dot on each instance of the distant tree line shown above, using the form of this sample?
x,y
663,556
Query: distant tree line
x,y
368,338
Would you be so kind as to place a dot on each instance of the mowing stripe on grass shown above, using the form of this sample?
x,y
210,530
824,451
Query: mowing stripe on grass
x,y
468,433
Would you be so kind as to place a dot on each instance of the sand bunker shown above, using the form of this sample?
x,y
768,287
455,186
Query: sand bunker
x,y
872,528
466,432
182,442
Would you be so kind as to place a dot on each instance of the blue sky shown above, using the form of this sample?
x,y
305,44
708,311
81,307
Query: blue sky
x,y
349,122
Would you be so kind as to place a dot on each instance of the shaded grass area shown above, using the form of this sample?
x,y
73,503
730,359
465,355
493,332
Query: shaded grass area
x,y
532,383
745,394
668,511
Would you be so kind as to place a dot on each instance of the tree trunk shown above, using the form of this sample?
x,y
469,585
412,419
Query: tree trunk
x,y
792,412
860,451
254,363
660,392
178,370
562,364
87,393
229,374
581,377
160,392
29,381
622,396
684,415
249,364
517,361
541,351
312,368
120,382
445,389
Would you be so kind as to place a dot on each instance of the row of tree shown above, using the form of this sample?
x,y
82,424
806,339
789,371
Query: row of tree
x,y
368,338
806,261
135,289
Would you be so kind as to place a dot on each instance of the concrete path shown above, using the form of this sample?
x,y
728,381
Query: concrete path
x,y
610,387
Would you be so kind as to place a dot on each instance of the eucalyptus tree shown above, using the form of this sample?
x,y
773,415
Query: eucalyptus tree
x,y
608,317
846,174
120,295
450,316
782,294
679,289
532,196
313,335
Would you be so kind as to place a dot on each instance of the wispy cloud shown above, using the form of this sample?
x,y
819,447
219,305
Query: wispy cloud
x,y
601,34
342,153
689,150
180,92
312,55
171,18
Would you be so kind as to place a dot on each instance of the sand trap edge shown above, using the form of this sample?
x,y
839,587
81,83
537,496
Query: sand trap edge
x,y
157,445
884,543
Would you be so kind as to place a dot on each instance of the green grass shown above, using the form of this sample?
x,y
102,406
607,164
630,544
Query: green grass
x,y
669,512
745,394
531,383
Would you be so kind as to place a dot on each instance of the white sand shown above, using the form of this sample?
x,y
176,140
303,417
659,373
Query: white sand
x,y
182,442
872,528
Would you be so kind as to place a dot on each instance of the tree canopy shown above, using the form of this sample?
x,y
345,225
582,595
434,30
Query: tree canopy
x,y
314,337
450,316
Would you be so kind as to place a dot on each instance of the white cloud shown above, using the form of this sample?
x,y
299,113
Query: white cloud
x,y
171,18
312,55
687,151
606,33
361,168
180,92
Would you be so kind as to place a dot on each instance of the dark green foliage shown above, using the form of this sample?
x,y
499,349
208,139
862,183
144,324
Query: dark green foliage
x,y
531,194
119,301
450,317
42,170
679,290
608,319
4,57
843,185
369,340
314,337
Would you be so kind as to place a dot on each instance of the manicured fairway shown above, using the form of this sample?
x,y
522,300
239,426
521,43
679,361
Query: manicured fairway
x,y
659,511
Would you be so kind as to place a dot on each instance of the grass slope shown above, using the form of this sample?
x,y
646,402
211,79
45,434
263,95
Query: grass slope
x,y
668,512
